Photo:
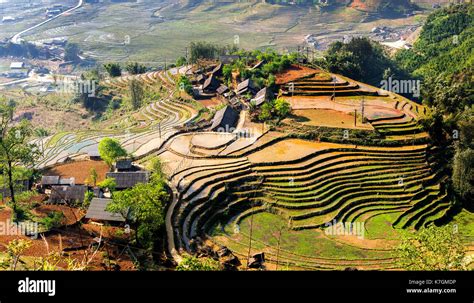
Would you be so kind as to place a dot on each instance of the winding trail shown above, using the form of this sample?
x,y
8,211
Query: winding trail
x,y
17,38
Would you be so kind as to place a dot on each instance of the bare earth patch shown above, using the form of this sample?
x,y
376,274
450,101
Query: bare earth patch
x,y
80,170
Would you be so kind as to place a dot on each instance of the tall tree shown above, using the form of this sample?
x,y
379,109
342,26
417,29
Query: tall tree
x,y
136,93
110,150
15,148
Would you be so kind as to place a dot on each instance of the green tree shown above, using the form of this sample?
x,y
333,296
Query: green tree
x,y
136,93
92,179
108,184
184,84
181,61
432,248
463,175
282,107
144,205
113,69
15,149
135,68
110,150
266,113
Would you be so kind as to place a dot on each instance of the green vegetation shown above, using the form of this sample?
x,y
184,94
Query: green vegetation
x,y
433,248
443,57
108,184
15,148
144,205
71,52
184,84
52,220
192,263
110,150
136,94
135,68
360,59
113,69
206,50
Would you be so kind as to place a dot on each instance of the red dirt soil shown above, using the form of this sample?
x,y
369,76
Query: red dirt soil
x,y
211,102
66,238
80,170
293,73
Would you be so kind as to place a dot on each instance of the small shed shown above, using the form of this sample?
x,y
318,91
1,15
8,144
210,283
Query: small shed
x,y
225,119
97,211
129,179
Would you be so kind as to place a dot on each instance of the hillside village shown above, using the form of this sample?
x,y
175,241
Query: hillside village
x,y
227,159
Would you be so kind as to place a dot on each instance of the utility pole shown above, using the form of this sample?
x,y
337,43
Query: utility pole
x,y
355,117
278,247
362,109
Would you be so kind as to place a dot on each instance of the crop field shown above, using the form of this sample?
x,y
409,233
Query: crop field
x,y
155,32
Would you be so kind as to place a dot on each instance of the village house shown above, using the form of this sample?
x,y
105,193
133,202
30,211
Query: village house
x,y
261,97
67,194
129,179
225,119
245,87
211,84
97,211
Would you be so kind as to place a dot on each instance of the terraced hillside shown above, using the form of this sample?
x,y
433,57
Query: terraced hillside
x,y
278,194
140,134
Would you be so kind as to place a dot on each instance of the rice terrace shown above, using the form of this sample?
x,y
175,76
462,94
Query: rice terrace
x,y
233,157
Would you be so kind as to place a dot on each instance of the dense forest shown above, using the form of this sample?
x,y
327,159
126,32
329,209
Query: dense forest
x,y
443,58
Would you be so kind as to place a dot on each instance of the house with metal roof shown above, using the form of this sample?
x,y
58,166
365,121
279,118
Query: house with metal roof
x,y
56,180
211,84
97,211
67,194
127,179
261,97
225,119
246,86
